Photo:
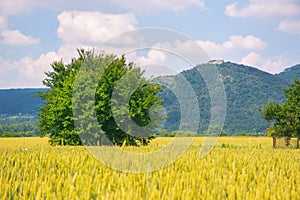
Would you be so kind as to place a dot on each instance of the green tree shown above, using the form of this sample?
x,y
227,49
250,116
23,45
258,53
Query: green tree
x,y
286,116
92,101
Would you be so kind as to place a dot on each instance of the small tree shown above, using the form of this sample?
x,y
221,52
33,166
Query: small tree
x,y
286,117
56,116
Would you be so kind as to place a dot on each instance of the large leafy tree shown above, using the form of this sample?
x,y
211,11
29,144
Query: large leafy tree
x,y
57,117
286,117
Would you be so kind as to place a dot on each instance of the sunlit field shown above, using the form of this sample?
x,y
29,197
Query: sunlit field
x,y
237,168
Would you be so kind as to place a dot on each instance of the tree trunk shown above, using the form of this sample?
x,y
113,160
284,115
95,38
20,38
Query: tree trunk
x,y
287,141
274,142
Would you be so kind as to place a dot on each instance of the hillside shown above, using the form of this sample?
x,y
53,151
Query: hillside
x,y
18,112
247,90
20,101
289,74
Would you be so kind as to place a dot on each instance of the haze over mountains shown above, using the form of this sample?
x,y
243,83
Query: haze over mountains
x,y
247,90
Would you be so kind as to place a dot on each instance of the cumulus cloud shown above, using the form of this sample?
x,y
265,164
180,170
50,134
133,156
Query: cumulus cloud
x,y
16,38
237,46
248,42
3,23
8,7
234,44
76,29
252,59
272,65
265,9
153,56
92,27
288,26
26,72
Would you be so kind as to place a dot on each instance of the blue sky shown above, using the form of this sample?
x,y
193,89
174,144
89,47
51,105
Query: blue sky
x,y
34,33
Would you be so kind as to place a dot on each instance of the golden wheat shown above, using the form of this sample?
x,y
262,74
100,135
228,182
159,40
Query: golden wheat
x,y
237,168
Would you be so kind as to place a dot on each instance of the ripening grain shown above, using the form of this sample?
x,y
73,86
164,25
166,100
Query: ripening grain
x,y
238,168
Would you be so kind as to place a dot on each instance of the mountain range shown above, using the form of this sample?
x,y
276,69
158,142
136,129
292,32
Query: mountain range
x,y
247,90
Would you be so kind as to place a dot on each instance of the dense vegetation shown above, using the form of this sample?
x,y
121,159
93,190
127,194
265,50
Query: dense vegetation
x,y
247,90
18,126
18,112
286,116
76,95
290,74
18,130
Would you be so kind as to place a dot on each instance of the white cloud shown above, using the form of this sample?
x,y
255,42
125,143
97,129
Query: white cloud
x,y
271,65
235,44
252,59
77,30
265,9
289,26
235,49
9,7
15,38
275,65
153,56
248,42
26,72
90,27
3,23
211,47
187,49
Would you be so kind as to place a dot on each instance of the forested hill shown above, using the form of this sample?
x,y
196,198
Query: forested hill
x,y
20,101
289,74
247,90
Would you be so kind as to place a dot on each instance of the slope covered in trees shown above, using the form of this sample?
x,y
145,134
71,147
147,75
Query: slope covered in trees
x,y
289,74
20,101
18,112
247,90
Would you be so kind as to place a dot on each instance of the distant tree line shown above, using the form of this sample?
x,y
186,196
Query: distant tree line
x,y
18,130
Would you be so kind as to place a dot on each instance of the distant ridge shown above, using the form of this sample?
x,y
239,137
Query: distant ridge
x,y
247,90
20,101
289,74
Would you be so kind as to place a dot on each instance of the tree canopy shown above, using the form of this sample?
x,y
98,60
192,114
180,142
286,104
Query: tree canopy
x,y
56,117
286,116
247,90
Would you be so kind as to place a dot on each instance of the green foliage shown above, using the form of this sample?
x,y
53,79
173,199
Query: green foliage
x,y
289,74
56,116
286,116
19,129
247,90
18,134
17,119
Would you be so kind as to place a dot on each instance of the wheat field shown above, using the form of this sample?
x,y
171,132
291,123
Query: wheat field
x,y
237,168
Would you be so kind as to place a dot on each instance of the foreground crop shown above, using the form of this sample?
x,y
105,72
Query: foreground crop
x,y
237,168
